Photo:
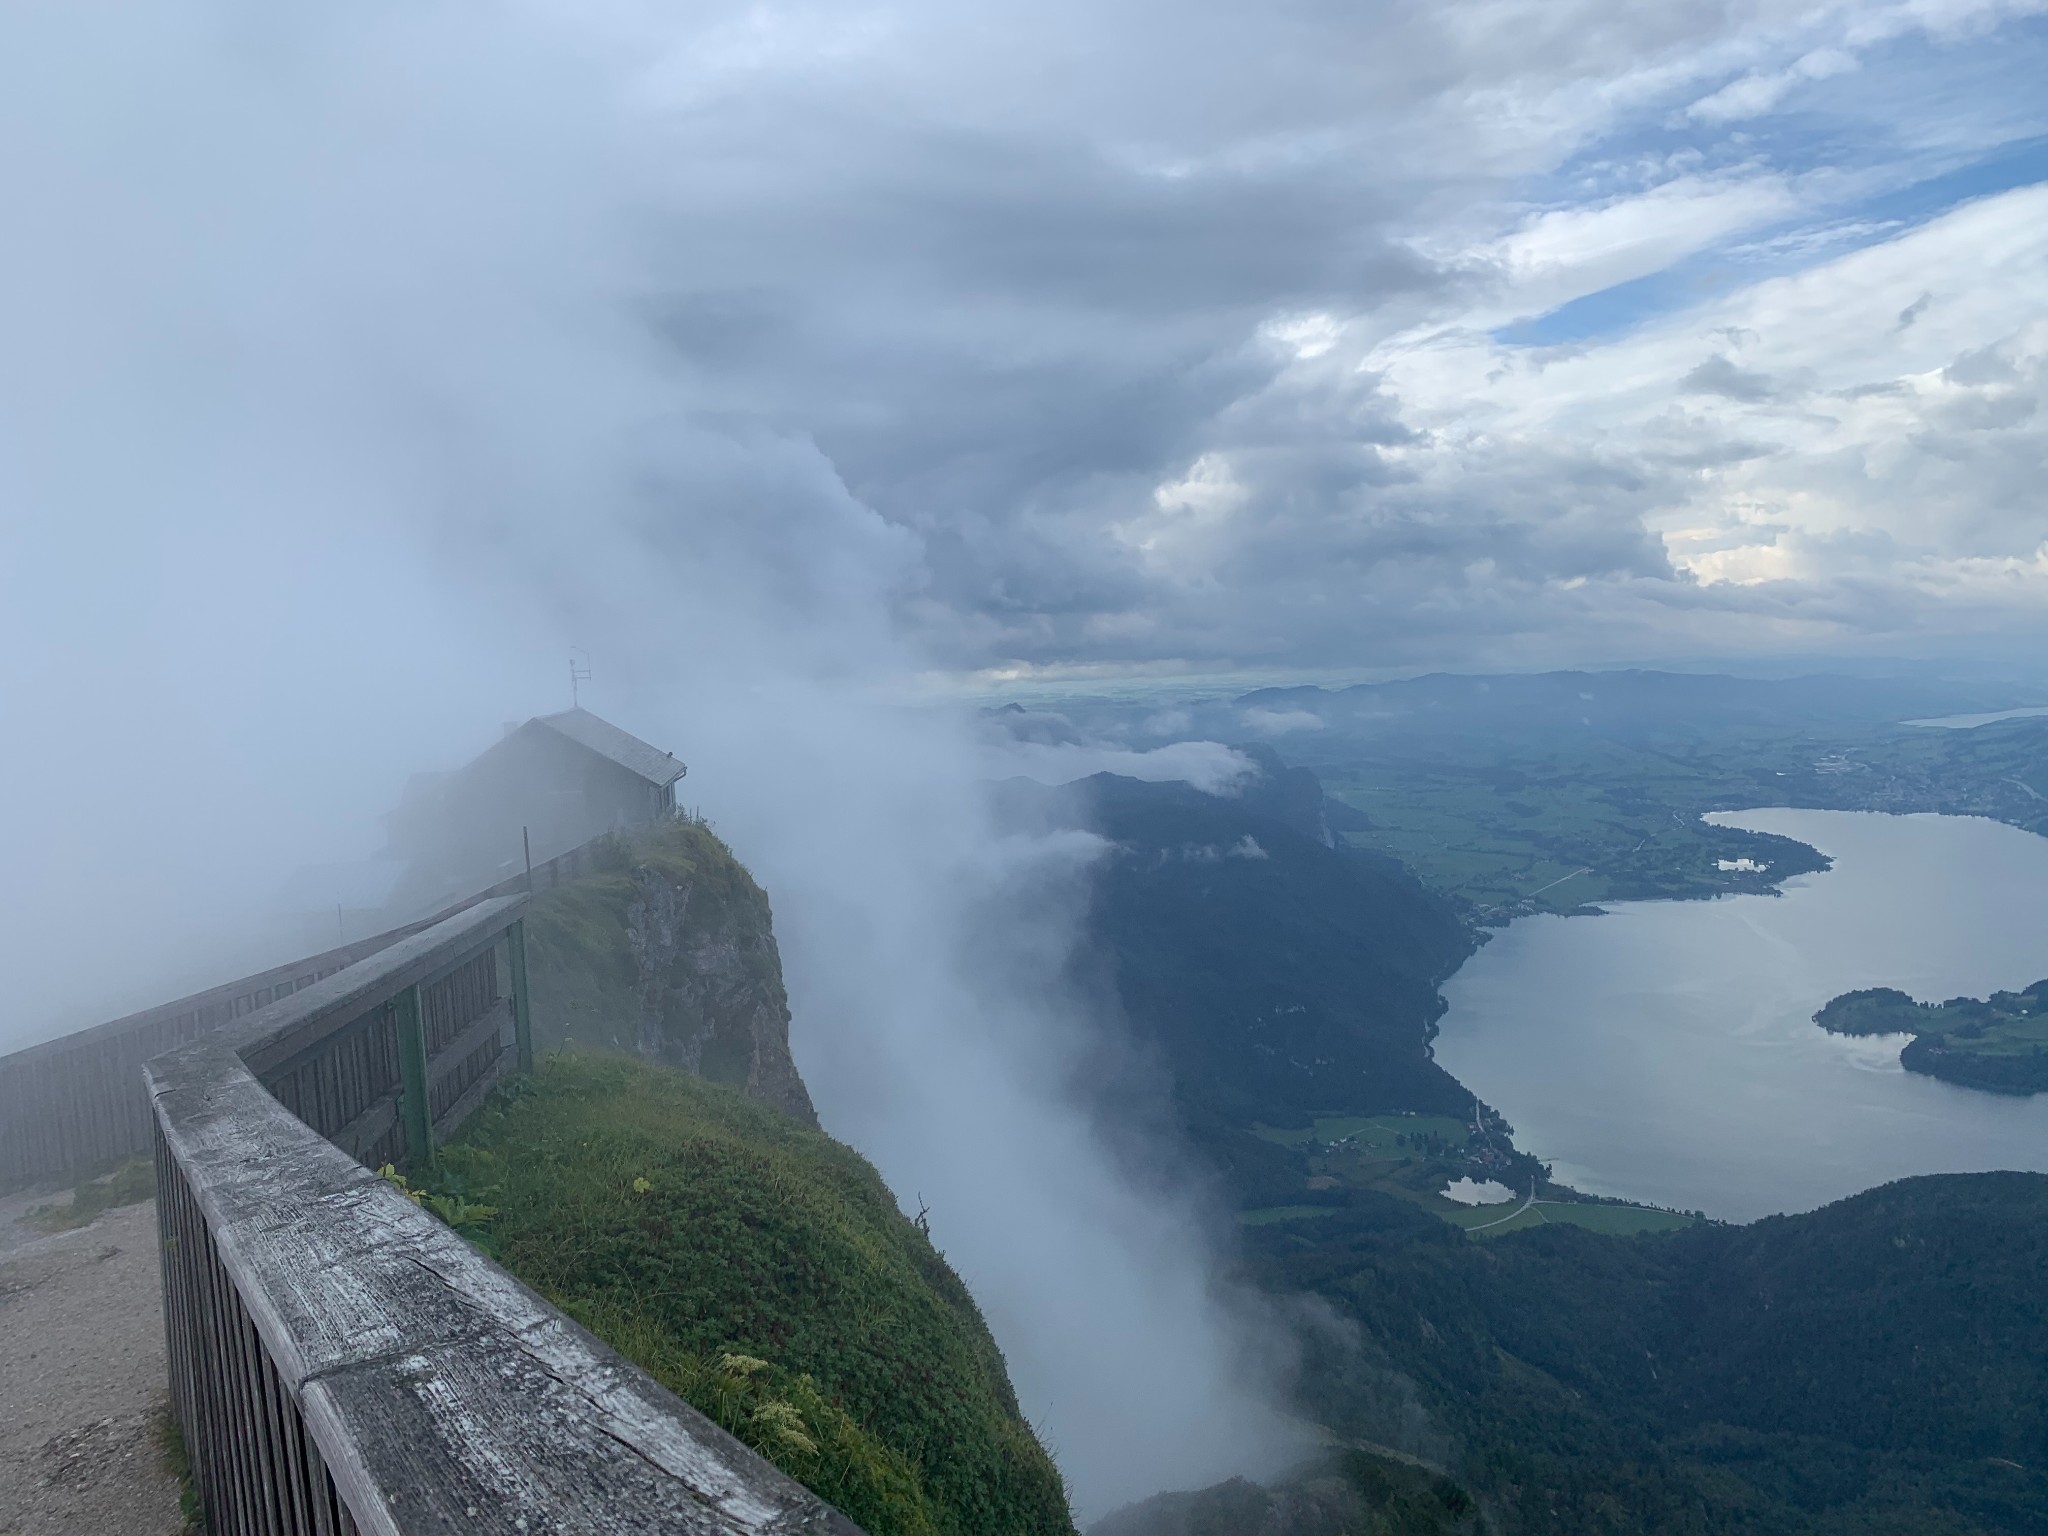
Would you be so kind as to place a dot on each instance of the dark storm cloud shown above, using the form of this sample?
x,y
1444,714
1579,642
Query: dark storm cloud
x,y
1005,346
1718,376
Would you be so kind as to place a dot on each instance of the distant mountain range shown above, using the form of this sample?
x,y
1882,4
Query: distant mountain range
x,y
1629,706
1556,791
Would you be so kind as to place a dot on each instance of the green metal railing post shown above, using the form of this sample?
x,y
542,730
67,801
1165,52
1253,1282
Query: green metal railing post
x,y
522,1013
412,1072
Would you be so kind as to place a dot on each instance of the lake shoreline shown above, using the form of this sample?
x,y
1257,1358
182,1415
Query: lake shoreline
x,y
1668,1056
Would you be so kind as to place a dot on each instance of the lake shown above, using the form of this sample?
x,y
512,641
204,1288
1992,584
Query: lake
x,y
1665,1052
1971,722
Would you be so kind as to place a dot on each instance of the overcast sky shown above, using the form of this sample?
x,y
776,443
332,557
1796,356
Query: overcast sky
x,y
1383,334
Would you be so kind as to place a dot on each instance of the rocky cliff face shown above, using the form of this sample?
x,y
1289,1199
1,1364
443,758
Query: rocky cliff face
x,y
709,985
668,950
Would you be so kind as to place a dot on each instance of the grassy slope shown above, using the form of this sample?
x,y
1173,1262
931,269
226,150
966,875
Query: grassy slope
x,y
763,1272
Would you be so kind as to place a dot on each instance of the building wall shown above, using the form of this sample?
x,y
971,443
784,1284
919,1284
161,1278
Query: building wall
x,y
464,830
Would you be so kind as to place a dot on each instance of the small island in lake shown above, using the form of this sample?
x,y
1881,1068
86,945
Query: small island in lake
x,y
1999,1043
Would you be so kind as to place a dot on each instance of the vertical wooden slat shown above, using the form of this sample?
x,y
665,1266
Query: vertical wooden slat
x,y
201,1424
522,1017
238,1423
320,1487
285,1469
255,1373
415,1111
223,1506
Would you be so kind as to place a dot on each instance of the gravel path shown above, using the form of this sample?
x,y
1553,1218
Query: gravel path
x,y
82,1380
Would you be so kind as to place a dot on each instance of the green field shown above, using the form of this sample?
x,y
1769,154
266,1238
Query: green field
x,y
1413,1157
1613,1220
1368,1133
1557,833
1498,1220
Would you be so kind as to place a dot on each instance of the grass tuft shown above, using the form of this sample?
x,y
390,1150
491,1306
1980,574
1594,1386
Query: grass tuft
x,y
177,1463
130,1183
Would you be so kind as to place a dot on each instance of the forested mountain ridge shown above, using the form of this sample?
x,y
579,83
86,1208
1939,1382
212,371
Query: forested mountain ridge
x,y
1277,973
1270,971
1878,1365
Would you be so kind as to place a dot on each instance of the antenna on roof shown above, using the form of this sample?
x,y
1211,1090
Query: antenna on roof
x,y
577,674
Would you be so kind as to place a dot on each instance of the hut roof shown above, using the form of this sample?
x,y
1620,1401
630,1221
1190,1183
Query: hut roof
x,y
607,740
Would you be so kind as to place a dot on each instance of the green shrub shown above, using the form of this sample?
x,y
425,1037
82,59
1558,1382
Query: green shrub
x,y
129,1183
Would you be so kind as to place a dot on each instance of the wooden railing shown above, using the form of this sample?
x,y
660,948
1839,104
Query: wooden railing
x,y
341,1361
75,1103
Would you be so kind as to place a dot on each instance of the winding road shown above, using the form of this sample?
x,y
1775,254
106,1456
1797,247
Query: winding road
x,y
1511,1215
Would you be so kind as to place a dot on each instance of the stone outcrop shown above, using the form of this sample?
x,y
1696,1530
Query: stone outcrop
x,y
710,992
667,949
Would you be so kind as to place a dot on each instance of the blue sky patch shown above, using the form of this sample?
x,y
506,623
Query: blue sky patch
x,y
1916,130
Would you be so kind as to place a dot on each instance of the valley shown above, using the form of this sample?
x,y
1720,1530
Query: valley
x,y
1572,1339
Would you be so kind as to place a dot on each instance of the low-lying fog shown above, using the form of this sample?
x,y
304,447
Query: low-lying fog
x,y
330,418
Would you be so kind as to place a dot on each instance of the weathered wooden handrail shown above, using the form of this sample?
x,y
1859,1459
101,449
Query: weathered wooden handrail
x,y
341,1362
75,1102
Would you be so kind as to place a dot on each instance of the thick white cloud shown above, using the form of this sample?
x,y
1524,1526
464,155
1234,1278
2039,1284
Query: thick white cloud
x,y
1859,440
1162,334
342,394
1166,330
